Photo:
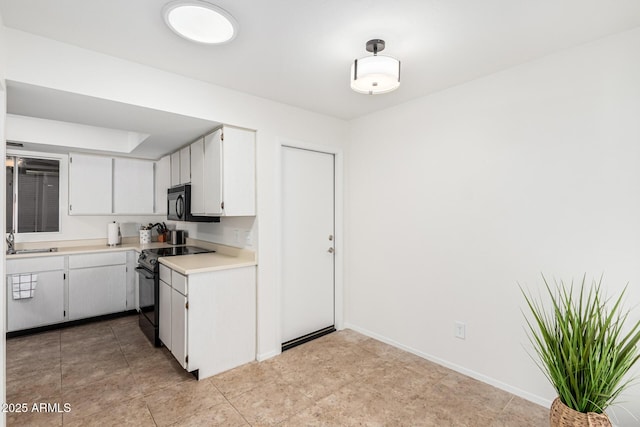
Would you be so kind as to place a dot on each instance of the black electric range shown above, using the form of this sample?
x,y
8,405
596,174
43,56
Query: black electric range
x,y
149,257
149,286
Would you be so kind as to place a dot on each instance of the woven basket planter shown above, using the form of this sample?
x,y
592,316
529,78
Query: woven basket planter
x,y
563,416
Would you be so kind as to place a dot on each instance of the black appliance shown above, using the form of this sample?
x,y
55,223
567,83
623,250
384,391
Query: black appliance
x,y
179,205
149,286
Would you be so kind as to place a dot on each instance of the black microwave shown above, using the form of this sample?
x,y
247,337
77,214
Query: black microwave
x,y
179,206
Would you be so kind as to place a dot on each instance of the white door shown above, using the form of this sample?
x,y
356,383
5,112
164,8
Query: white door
x,y
307,242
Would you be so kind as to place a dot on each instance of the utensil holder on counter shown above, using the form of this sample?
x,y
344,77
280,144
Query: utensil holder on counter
x,y
145,236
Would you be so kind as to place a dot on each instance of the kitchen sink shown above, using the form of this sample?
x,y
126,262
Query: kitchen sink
x,y
34,251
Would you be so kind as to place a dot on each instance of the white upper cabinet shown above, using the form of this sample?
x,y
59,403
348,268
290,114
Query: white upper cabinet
x,y
163,182
197,177
90,184
213,173
100,185
132,186
238,172
185,165
175,168
181,166
224,184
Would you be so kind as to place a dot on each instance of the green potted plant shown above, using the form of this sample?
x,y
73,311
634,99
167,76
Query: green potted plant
x,y
585,349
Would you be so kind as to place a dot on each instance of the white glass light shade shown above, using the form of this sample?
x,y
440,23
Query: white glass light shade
x,y
375,74
200,21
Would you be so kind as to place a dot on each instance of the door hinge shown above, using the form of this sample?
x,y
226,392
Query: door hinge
x,y
221,136
64,313
70,159
70,208
186,305
186,359
64,276
222,205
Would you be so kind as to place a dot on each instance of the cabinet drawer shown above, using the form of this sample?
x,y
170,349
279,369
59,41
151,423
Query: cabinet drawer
x,y
165,274
97,259
33,265
179,282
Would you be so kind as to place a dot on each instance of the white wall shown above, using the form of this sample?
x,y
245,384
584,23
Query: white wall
x,y
72,69
455,198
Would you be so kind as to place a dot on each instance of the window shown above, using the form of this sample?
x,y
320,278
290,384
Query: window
x,y
32,194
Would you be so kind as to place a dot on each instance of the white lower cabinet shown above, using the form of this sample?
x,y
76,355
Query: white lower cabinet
x,y
45,304
97,290
213,319
70,287
179,328
97,284
132,276
165,314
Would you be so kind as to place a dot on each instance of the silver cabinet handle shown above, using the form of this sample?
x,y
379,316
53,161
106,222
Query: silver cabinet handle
x,y
331,250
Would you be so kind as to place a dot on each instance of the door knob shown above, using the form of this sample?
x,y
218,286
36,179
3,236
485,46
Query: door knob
x,y
331,250
330,237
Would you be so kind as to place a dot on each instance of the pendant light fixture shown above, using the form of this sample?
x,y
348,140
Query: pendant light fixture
x,y
375,74
200,21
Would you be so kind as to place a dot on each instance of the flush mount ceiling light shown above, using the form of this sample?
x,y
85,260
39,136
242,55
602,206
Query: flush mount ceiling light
x,y
375,74
200,21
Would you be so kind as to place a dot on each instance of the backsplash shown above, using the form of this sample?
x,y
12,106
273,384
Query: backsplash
x,y
239,232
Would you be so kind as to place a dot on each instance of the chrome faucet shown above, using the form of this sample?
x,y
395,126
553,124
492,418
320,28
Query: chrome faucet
x,y
10,243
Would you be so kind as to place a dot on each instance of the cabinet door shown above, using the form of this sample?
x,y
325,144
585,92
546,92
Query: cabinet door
x,y
213,173
162,173
175,168
185,165
97,259
131,294
90,185
179,327
96,291
238,172
44,308
133,187
165,314
222,320
197,178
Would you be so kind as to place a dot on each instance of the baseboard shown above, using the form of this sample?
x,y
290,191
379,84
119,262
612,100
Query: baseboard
x,y
70,323
461,369
261,357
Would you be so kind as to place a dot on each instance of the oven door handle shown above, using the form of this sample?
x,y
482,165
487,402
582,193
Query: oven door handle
x,y
142,270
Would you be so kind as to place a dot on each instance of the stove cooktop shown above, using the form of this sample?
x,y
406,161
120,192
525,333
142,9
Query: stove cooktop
x,y
149,257
177,250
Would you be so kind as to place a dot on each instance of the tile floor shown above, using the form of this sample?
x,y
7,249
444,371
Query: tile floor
x,y
110,375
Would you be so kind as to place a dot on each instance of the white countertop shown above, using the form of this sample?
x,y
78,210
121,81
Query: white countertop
x,y
224,257
83,248
203,263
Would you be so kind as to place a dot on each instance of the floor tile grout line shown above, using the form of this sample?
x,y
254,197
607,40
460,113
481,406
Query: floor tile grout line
x,y
229,402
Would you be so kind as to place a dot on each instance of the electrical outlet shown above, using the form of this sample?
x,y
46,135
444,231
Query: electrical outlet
x,y
248,238
459,330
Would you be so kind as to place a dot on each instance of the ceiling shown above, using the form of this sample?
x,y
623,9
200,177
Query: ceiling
x,y
300,52
166,131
